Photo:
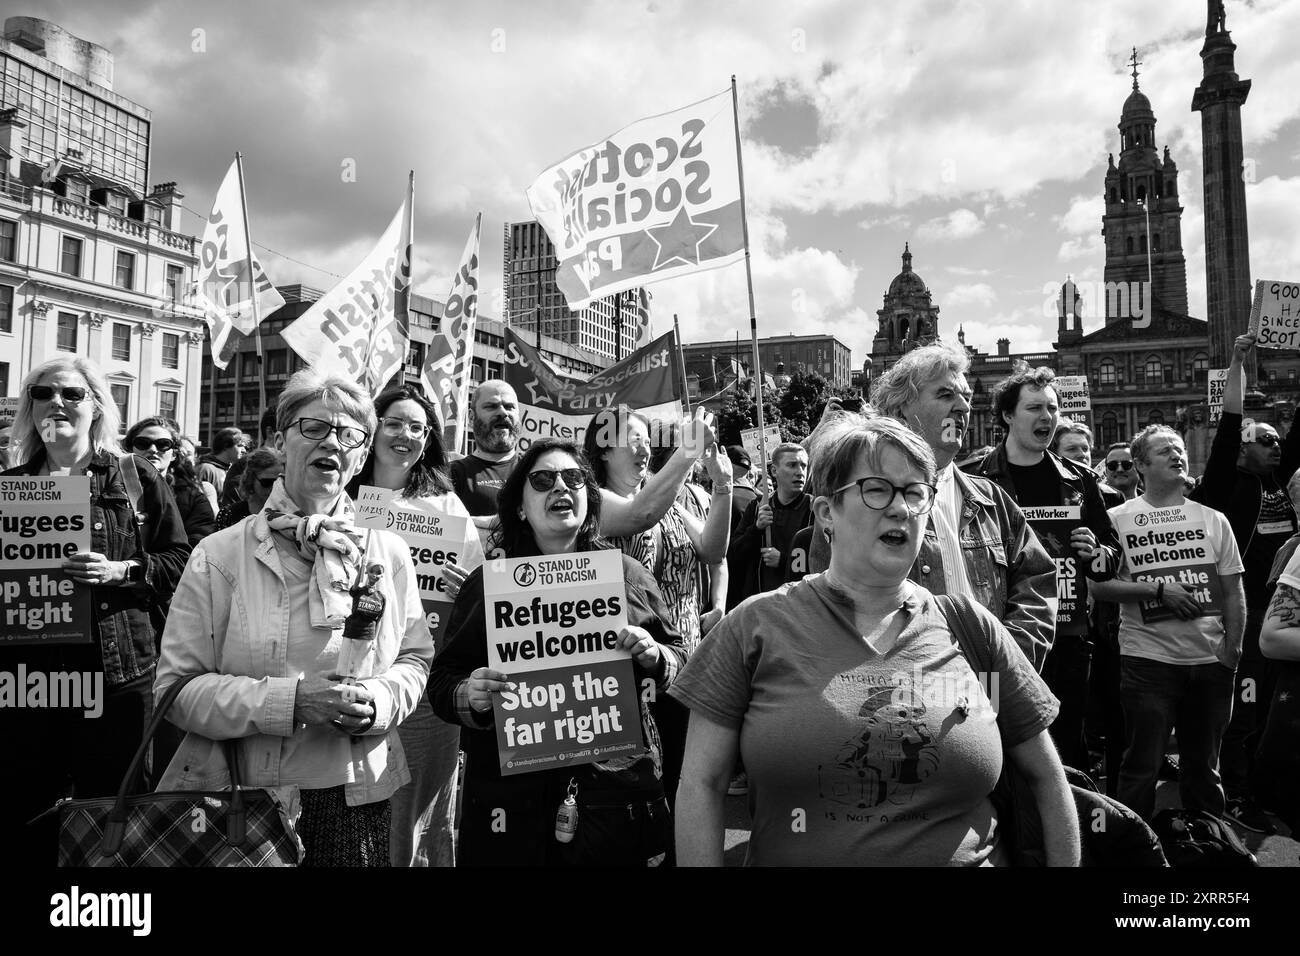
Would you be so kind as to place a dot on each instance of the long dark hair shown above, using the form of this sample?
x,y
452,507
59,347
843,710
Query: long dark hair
x,y
428,476
181,474
514,536
607,428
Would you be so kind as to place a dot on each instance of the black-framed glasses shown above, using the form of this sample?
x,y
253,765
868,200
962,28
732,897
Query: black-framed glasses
x,y
544,479
72,394
315,429
1268,441
392,427
140,443
877,494
1119,465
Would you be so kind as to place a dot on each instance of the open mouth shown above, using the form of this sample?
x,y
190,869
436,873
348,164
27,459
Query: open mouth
x,y
326,465
561,506
894,538
1043,434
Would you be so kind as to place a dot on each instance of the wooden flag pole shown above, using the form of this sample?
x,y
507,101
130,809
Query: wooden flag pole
x,y
252,288
681,360
753,320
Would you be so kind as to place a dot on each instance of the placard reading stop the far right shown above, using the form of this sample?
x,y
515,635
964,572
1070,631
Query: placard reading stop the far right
x,y
1275,315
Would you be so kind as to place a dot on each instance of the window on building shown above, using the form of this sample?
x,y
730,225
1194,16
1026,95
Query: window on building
x,y
6,308
66,334
124,273
1291,374
121,342
276,362
1109,430
1155,242
1157,417
1106,372
76,191
1128,245
1200,369
1155,373
153,215
167,403
8,240
70,256
171,350
175,284
248,365
122,399
1142,244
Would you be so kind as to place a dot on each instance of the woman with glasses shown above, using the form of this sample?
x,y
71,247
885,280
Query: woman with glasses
x,y
256,479
867,737
157,441
408,457
310,679
67,424
550,504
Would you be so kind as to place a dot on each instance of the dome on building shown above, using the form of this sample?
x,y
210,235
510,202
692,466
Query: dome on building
x,y
1137,106
907,282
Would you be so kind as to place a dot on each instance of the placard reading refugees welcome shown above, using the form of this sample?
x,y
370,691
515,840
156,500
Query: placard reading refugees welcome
x,y
43,521
1053,525
1072,393
552,625
1173,546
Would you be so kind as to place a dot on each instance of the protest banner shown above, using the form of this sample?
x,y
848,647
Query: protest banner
x,y
1275,315
371,506
446,372
43,521
749,441
9,406
360,328
1053,525
1173,546
552,625
1072,394
1218,381
552,405
658,199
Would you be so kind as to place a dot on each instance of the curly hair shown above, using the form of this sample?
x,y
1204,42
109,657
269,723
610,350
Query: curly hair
x,y
1006,393
428,476
513,535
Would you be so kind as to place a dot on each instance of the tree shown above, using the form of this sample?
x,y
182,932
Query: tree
x,y
801,403
737,413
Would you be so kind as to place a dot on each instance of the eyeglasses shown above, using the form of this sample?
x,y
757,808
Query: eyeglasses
x,y
72,394
268,483
349,435
1268,441
1119,465
544,479
393,427
878,494
140,443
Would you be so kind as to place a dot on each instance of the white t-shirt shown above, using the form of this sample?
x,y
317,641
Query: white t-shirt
x,y
1174,641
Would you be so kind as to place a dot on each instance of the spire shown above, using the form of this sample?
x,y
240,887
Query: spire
x,y
1136,63
1216,19
907,258
961,334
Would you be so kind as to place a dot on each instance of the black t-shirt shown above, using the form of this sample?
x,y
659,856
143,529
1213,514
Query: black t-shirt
x,y
1276,523
477,482
1036,484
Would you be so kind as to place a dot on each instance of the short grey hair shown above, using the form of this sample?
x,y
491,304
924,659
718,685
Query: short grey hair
x,y
1142,441
902,384
337,392
1070,428
842,441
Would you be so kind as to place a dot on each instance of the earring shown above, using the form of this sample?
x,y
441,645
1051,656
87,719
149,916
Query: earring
x,y
829,531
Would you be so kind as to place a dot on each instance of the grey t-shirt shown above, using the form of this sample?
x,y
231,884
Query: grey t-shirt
x,y
860,758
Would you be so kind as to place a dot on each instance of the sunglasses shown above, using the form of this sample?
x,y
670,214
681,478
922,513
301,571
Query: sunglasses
x,y
140,443
544,479
1268,441
72,394
1119,466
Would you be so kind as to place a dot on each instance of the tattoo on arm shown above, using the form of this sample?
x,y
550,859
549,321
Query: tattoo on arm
x,y
1285,606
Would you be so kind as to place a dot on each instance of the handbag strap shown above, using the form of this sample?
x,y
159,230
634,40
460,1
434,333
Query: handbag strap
x,y
957,609
115,827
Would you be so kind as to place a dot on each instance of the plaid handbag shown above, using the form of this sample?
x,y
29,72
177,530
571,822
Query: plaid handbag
x,y
234,827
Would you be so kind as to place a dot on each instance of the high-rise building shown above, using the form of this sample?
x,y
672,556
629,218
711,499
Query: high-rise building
x,y
90,265
1227,243
533,296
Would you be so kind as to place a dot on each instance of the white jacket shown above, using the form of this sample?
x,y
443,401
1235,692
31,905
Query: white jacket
x,y
229,621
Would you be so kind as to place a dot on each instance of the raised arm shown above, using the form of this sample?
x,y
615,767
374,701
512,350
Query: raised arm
x,y
620,517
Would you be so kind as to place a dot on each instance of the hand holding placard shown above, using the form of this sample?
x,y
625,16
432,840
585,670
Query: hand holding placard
x,y
1275,315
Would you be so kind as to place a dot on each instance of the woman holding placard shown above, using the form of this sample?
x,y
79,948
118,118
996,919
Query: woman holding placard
x,y
609,813
67,424
409,458
308,638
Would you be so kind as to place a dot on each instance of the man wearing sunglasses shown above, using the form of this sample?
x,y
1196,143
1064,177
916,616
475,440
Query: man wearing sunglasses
x,y
1246,478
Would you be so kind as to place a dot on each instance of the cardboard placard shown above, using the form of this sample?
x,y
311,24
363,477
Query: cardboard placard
x,y
1171,545
1072,394
552,625
749,440
1275,315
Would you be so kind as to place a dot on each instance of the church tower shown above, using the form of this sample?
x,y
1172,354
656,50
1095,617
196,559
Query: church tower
x,y
1142,224
1227,251
909,317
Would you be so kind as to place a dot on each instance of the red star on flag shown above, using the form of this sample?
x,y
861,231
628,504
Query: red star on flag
x,y
680,239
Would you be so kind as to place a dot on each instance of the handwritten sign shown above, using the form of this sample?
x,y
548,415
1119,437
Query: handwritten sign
x,y
749,440
1218,381
1275,315
552,625
371,506
1072,393
43,521
1171,545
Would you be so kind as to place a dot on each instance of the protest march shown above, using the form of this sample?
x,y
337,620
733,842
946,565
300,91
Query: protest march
x,y
657,541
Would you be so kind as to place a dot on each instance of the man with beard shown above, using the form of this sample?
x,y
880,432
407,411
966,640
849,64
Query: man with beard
x,y
478,477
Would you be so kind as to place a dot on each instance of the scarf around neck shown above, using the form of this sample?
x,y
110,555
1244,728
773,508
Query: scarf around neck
x,y
332,544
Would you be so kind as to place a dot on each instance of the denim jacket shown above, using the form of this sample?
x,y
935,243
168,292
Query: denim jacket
x,y
1009,571
123,616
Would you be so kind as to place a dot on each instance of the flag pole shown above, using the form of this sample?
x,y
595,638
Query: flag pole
x,y
681,359
252,288
753,321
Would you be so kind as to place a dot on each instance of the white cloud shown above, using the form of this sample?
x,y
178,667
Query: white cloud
x,y
1082,247
977,293
958,224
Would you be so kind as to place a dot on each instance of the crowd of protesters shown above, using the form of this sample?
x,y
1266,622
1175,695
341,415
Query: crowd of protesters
x,y
862,641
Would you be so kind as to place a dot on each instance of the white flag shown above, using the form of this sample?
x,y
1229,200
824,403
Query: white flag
x,y
641,331
446,371
223,290
360,328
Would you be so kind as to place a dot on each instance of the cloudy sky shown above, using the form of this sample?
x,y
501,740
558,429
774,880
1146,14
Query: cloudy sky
x,y
977,130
